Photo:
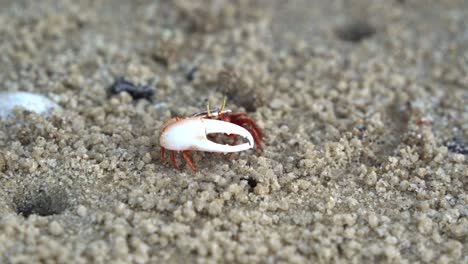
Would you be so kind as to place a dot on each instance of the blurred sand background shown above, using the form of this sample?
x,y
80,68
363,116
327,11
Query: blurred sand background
x,y
363,105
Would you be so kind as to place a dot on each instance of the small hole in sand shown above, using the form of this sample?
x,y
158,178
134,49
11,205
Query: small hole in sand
x,y
43,202
251,182
355,31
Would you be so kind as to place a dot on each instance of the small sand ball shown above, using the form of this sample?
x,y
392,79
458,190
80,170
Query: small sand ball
x,y
82,211
373,220
55,228
119,209
120,246
424,225
392,253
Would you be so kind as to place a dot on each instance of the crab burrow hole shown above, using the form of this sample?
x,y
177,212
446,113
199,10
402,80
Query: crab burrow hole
x,y
44,201
355,31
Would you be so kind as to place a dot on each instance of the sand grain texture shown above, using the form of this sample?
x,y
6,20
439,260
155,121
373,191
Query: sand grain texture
x,y
362,103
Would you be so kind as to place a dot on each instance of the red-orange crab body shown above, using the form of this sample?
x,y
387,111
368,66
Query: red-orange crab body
x,y
187,134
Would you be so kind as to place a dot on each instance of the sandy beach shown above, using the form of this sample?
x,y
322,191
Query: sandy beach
x,y
363,107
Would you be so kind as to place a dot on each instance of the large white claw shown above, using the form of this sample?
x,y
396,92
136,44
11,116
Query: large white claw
x,y
190,134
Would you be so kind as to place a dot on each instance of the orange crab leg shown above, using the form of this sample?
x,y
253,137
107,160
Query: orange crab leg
x,y
189,161
163,151
173,160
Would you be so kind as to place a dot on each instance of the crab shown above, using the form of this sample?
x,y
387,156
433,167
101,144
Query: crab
x,y
190,134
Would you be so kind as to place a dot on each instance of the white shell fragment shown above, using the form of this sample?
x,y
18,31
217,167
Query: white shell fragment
x,y
190,134
29,101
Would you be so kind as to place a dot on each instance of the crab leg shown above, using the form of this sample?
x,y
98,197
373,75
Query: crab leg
x,y
188,159
174,163
163,151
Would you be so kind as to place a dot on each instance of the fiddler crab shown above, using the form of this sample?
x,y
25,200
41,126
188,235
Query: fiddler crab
x,y
190,133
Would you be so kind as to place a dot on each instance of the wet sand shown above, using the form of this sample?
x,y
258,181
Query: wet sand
x,y
362,103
